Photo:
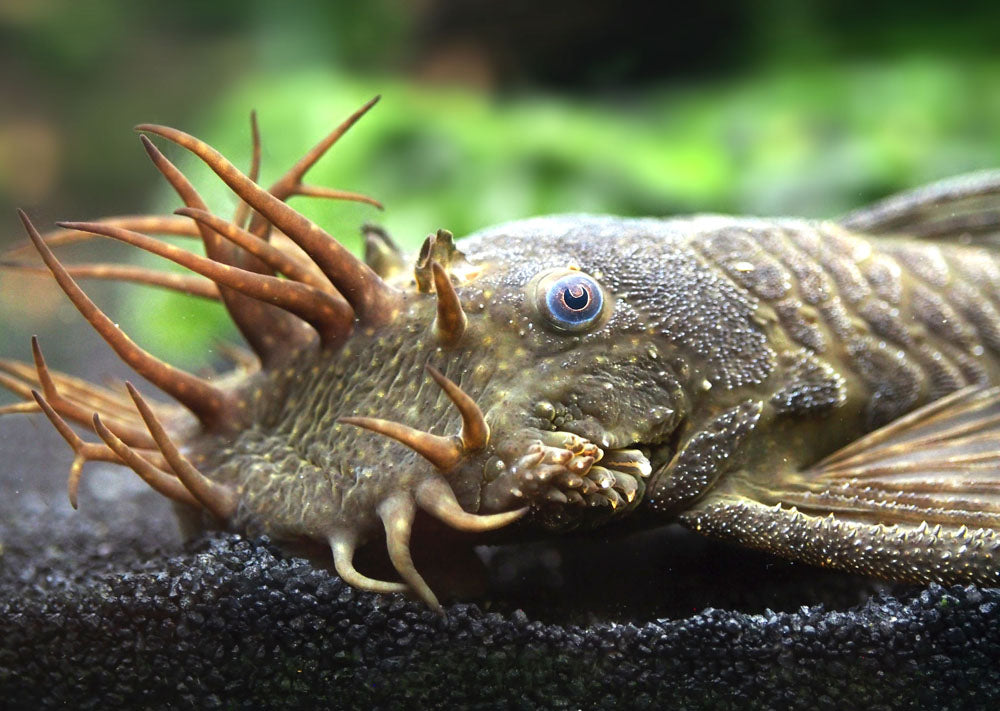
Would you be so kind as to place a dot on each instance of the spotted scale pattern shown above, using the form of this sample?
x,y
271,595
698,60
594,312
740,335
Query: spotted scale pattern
x,y
909,319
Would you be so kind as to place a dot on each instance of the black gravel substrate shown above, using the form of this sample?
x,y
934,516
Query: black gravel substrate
x,y
106,608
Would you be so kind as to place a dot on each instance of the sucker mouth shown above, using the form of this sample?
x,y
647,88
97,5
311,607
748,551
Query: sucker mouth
x,y
628,466
633,467
570,481
569,478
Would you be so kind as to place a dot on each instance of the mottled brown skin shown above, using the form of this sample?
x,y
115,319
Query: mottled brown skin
x,y
730,357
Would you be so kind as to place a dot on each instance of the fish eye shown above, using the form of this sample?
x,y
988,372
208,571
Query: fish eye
x,y
568,300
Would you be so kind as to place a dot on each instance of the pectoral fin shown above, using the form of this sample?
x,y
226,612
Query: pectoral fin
x,y
917,500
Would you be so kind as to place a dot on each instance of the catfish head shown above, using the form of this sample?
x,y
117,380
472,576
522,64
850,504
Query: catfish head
x,y
580,339
540,370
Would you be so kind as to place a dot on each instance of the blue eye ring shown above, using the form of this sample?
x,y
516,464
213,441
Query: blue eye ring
x,y
569,300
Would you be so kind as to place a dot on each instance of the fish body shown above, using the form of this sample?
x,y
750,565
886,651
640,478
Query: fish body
x,y
819,389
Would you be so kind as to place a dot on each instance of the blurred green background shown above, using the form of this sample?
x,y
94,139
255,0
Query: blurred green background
x,y
491,111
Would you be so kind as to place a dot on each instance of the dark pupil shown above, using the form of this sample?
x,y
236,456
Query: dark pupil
x,y
576,297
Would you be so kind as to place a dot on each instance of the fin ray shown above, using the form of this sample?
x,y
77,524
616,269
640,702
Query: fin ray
x,y
942,459
917,500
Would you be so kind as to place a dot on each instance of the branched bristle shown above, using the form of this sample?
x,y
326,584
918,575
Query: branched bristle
x,y
451,320
440,248
435,496
182,186
79,402
20,408
127,430
160,481
289,247
334,194
373,300
331,316
209,404
183,283
443,452
83,451
265,251
242,209
475,431
15,386
219,500
268,331
87,394
343,545
151,224
289,183
397,514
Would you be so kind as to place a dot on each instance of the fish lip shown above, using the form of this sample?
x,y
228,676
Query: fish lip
x,y
608,447
656,451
